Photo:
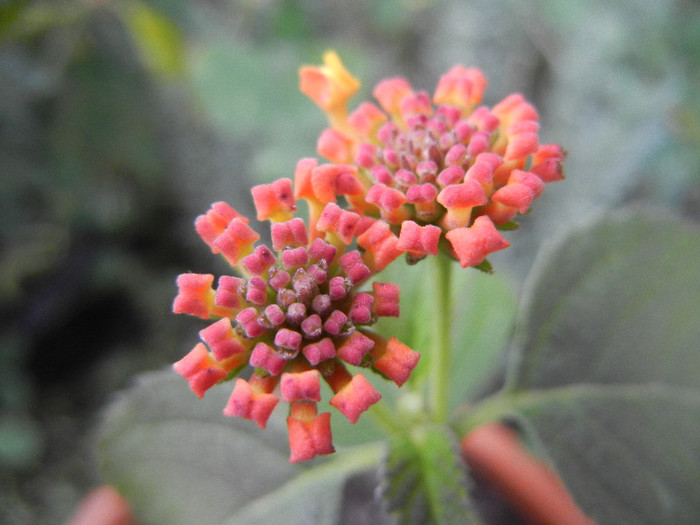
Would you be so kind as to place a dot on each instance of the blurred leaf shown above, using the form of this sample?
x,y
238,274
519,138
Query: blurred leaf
x,y
21,441
315,496
424,481
607,378
180,461
157,39
628,454
10,12
21,19
618,302
483,316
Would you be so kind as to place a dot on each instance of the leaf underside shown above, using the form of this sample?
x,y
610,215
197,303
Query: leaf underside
x,y
178,460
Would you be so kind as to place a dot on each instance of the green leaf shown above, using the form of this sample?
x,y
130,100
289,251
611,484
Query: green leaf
x,y
180,461
618,302
606,378
424,479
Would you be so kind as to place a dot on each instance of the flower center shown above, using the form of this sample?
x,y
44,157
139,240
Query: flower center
x,y
304,298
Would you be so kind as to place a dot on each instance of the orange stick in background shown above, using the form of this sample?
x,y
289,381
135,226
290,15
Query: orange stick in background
x,y
534,490
103,506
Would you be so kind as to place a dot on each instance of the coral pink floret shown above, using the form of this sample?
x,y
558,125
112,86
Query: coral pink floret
x,y
354,267
248,320
330,180
265,357
366,119
303,187
228,292
319,351
381,243
338,221
195,294
547,162
465,195
335,146
236,241
419,240
361,309
460,87
484,167
288,339
355,397
289,233
331,85
391,92
387,199
472,245
301,386
259,261
308,439
355,348
395,360
514,108
200,369
210,225
246,403
221,339
274,201
386,303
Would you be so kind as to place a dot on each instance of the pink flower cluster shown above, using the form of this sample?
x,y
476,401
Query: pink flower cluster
x,y
295,313
411,176
442,165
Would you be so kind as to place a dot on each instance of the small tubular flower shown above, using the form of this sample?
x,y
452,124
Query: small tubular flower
x,y
213,223
472,245
196,296
252,400
309,432
461,87
394,359
295,315
274,201
444,162
201,369
353,394
381,245
330,86
236,241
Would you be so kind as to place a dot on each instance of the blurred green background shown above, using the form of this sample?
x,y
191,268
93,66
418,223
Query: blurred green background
x,y
121,121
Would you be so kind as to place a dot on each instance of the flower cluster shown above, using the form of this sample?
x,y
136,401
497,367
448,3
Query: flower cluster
x,y
447,165
295,313
411,176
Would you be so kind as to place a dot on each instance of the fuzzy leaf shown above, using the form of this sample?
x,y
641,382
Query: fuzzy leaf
x,y
424,479
608,371
180,461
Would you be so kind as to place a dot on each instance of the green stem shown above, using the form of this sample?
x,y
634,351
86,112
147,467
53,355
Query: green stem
x,y
386,419
440,341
